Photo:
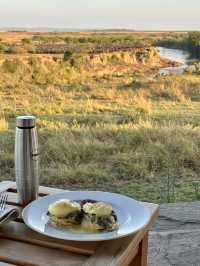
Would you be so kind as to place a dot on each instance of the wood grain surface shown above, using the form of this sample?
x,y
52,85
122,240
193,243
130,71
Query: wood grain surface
x,y
20,245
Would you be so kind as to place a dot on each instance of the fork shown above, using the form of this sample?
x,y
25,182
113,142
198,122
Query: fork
x,y
3,200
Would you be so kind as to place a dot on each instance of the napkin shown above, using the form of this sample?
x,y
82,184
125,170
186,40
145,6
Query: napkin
x,y
9,214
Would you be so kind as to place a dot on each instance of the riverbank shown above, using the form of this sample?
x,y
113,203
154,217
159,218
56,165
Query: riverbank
x,y
188,41
182,58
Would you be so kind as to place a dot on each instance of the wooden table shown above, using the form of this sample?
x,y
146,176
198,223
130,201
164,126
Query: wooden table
x,y
19,245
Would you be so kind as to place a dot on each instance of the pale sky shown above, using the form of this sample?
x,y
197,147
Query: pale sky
x,y
132,14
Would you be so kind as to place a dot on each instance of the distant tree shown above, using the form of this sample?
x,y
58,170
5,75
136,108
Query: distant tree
x,y
194,43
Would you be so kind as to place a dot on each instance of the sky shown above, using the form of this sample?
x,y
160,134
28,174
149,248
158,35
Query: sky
x,y
90,14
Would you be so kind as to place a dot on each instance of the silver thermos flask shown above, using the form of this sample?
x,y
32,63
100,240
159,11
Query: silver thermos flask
x,y
26,159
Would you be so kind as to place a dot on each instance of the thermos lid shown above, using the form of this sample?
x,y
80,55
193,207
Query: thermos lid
x,y
26,121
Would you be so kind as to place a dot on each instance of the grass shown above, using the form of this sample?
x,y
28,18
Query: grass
x,y
3,125
107,123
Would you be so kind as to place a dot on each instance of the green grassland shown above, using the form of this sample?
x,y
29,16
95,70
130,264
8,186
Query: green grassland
x,y
107,121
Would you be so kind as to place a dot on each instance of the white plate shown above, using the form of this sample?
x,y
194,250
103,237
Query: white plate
x,y
132,215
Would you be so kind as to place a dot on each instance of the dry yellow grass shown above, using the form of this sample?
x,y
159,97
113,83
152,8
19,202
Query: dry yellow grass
x,y
135,133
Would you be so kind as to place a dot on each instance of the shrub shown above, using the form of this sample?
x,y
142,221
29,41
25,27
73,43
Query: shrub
x,y
37,69
3,47
194,43
16,50
67,55
77,61
39,76
11,66
189,69
197,67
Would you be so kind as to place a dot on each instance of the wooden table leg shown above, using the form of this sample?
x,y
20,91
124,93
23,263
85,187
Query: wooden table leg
x,y
141,257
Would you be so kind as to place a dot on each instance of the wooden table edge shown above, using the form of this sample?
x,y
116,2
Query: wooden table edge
x,y
118,258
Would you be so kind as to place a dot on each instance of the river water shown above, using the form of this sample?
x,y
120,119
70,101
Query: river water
x,y
177,55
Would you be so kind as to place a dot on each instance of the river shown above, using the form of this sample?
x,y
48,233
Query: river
x,y
177,55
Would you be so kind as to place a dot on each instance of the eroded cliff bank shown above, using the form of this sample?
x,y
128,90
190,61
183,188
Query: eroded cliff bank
x,y
54,68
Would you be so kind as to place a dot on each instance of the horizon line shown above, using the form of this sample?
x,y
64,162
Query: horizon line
x,y
98,29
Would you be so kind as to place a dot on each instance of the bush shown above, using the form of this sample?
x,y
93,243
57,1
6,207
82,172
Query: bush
x,y
3,47
16,50
77,61
197,67
189,69
67,55
11,66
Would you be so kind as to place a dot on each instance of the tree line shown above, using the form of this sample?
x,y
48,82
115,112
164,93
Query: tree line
x,y
194,43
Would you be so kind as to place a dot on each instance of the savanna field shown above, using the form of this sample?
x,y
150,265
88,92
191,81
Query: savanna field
x,y
106,118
